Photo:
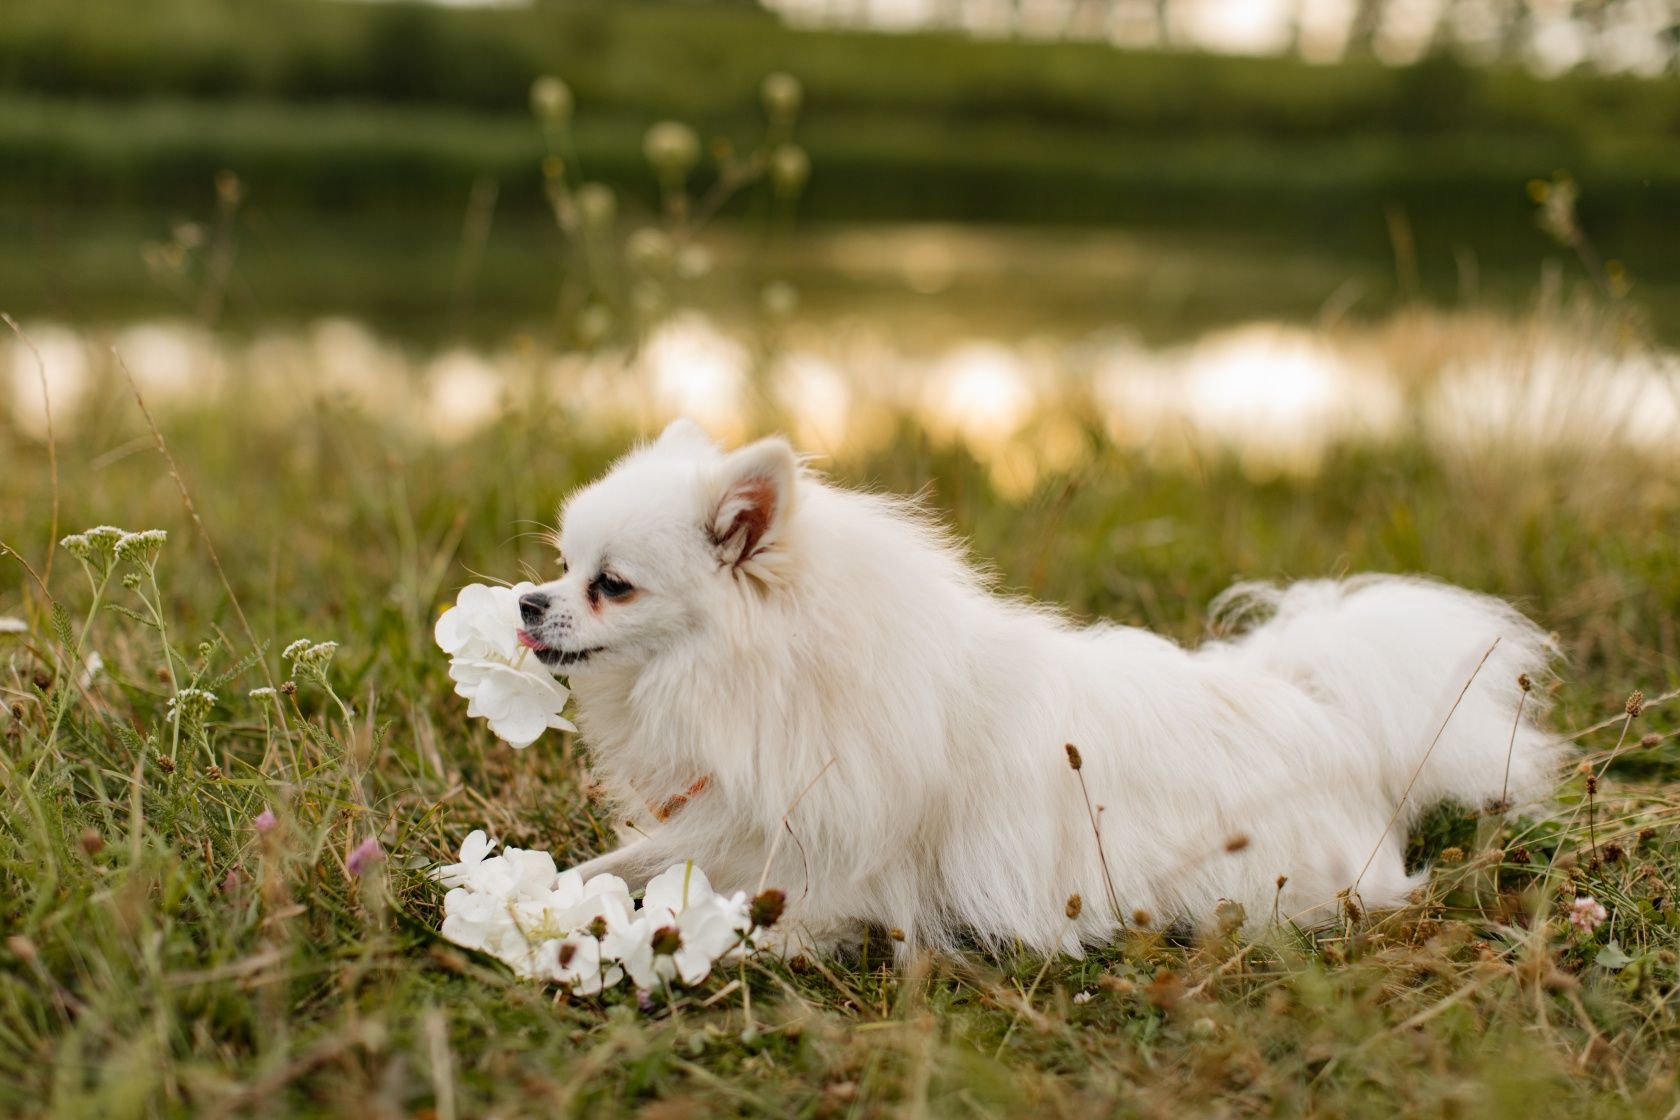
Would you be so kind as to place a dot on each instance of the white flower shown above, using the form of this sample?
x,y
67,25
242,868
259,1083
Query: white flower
x,y
1082,997
10,625
474,848
577,962
93,666
497,675
483,621
471,918
588,935
519,704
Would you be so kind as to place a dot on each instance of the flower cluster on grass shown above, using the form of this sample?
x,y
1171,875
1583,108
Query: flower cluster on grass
x,y
588,935
503,682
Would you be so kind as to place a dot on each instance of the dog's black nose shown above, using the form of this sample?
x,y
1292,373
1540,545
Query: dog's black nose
x,y
532,604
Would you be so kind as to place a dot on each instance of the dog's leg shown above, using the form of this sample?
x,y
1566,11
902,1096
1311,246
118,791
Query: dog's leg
x,y
635,863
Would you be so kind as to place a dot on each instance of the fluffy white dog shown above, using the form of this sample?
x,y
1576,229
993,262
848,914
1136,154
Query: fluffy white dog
x,y
807,686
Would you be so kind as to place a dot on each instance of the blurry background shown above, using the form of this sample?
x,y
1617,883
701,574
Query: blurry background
x,y
1270,224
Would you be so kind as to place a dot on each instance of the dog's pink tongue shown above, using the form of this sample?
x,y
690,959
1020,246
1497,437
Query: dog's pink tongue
x,y
529,642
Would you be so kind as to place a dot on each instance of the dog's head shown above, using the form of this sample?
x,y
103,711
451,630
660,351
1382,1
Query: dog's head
x,y
661,547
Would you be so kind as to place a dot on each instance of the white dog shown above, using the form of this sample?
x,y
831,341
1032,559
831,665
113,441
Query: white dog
x,y
805,686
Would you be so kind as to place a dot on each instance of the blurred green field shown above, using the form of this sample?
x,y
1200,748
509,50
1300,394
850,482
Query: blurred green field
x,y
162,959
370,107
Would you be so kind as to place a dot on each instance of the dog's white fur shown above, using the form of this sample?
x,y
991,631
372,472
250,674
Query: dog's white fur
x,y
801,645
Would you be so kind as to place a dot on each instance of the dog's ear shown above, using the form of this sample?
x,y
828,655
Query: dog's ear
x,y
683,434
754,497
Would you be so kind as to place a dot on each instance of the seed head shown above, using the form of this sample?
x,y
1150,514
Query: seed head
x,y
289,688
1144,918
672,150
1073,757
213,772
551,100
1649,741
666,940
166,764
92,842
1452,855
1635,703
1236,844
782,95
766,909
567,952
896,934
1592,784
790,167
1523,682
1075,905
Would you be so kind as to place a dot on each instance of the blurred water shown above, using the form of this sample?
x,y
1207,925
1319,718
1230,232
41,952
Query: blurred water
x,y
1276,396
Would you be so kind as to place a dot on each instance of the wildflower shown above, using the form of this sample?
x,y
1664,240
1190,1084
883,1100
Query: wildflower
x,y
364,856
310,659
1082,997
10,625
190,706
213,772
264,821
551,100
77,545
289,688
782,95
672,150
1587,914
141,549
1635,703
92,666
103,540
264,693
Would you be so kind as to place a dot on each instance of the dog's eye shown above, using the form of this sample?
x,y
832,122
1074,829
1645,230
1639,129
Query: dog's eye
x,y
610,586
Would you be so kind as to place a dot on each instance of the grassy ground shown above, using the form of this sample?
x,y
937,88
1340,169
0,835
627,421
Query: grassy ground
x,y
163,958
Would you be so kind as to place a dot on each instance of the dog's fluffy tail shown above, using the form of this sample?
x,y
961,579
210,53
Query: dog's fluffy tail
x,y
1406,659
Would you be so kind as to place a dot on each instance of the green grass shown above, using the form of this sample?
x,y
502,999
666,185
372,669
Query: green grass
x,y
164,959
